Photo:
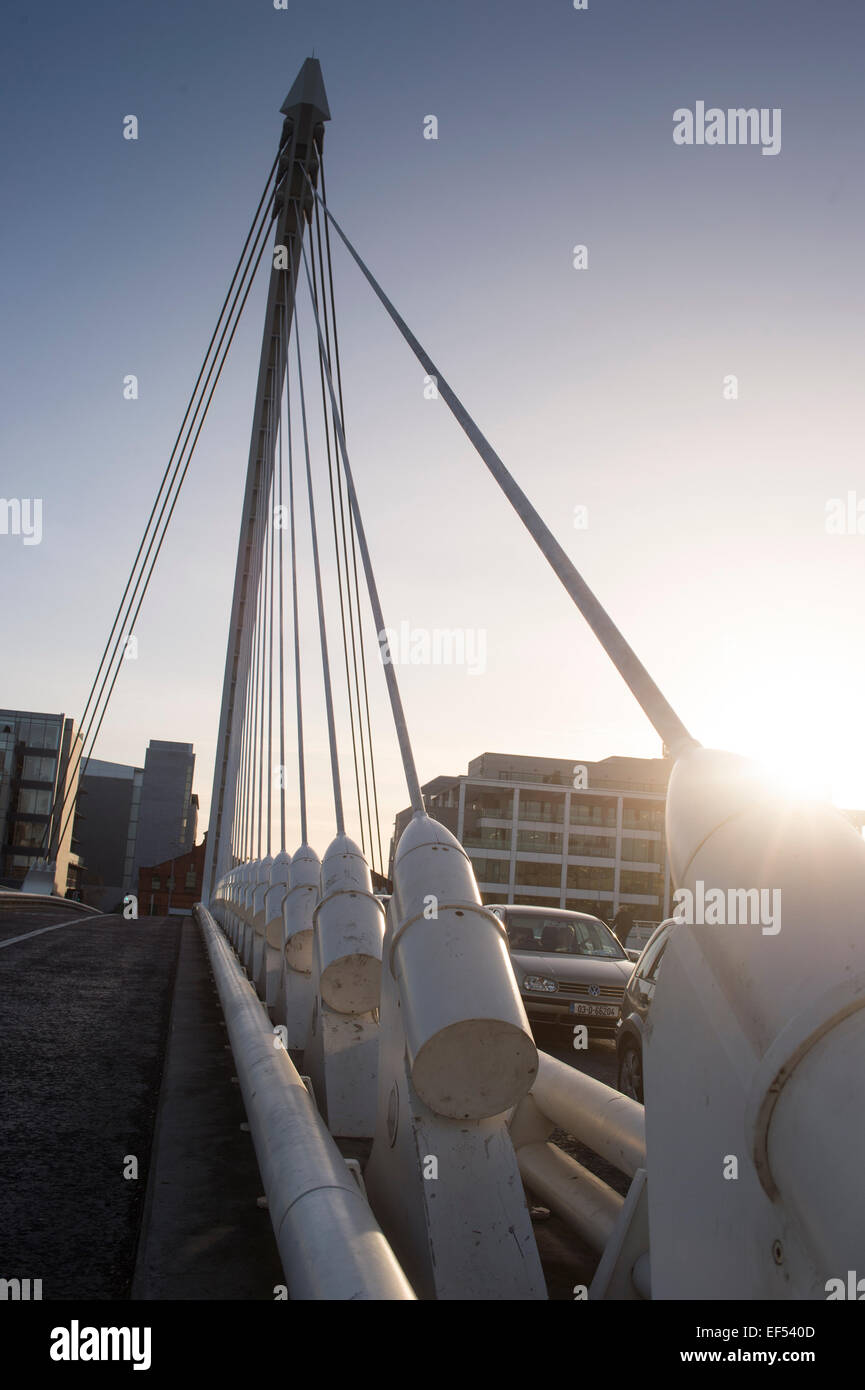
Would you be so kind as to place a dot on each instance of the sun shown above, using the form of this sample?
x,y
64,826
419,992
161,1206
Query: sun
x,y
785,776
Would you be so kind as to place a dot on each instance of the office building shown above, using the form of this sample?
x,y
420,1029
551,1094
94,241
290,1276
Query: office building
x,y
39,765
131,816
168,816
109,802
561,832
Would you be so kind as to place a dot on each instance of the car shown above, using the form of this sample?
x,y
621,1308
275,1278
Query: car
x,y
631,1026
569,967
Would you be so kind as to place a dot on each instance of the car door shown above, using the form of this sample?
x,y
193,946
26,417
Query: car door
x,y
647,971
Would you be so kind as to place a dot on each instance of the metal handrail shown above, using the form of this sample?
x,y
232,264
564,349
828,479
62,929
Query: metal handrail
x,y
329,1241
609,1123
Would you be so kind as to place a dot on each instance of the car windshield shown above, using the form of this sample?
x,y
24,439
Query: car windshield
x,y
567,936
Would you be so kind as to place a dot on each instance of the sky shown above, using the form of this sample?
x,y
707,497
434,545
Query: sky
x,y
605,387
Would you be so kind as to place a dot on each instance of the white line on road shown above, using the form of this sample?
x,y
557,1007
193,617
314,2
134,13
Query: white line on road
x,y
57,925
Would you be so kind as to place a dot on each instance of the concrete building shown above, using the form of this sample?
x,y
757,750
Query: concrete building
x,y
168,816
558,832
38,770
106,826
130,816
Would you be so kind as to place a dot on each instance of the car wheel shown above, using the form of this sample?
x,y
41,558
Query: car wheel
x,y
631,1073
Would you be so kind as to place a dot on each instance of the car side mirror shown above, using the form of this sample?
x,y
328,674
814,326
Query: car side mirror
x,y
632,955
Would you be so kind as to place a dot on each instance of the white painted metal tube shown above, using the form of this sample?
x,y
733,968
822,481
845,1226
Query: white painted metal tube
x,y
298,907
468,1041
349,929
582,1200
329,1242
280,872
610,1124
262,887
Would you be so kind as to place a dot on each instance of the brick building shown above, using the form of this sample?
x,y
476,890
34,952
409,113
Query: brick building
x,y
173,887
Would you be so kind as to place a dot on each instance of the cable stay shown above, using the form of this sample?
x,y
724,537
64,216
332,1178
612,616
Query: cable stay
x,y
325,661
295,617
163,507
654,704
352,532
414,791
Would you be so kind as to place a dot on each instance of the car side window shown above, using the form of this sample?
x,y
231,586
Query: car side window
x,y
652,972
651,957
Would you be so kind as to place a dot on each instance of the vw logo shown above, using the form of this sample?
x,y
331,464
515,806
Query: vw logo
x,y
594,991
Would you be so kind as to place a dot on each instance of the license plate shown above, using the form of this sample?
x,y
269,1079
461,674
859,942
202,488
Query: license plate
x,y
595,1010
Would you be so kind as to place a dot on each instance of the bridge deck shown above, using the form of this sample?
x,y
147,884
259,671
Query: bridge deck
x,y
113,1045
87,1028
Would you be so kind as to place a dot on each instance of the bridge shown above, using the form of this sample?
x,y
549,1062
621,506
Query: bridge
x,y
374,1046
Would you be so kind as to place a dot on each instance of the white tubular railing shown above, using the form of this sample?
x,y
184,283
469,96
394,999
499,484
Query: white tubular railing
x,y
586,1203
612,1125
608,1123
329,1242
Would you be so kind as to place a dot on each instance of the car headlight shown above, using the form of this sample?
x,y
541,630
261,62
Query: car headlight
x,y
538,984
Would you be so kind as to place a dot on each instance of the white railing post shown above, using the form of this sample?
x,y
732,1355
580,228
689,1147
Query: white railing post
x,y
341,1054
456,1054
298,906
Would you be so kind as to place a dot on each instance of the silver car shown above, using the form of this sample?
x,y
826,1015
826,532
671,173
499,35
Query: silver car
x,y
569,966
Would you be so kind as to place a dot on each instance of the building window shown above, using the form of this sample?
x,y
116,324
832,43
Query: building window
x,y
34,803
594,906
539,841
28,834
587,876
637,816
492,805
190,878
38,769
533,808
643,851
490,870
592,812
594,846
632,881
539,875
492,838
155,883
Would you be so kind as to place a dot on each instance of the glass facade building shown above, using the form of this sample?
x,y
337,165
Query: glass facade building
x,y
39,754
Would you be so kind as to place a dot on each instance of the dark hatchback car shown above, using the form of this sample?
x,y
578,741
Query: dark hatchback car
x,y
639,993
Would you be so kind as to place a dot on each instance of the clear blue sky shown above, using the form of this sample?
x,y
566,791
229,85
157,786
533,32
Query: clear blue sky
x,y
603,387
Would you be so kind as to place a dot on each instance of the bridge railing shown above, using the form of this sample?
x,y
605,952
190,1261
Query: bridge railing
x,y
613,1127
329,1241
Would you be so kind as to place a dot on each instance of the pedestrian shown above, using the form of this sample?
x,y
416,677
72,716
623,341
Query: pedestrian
x,y
621,924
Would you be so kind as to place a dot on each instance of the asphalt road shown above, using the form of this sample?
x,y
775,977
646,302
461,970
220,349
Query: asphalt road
x,y
83,1020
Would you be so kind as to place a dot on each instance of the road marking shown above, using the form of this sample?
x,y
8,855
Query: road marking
x,y
57,925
